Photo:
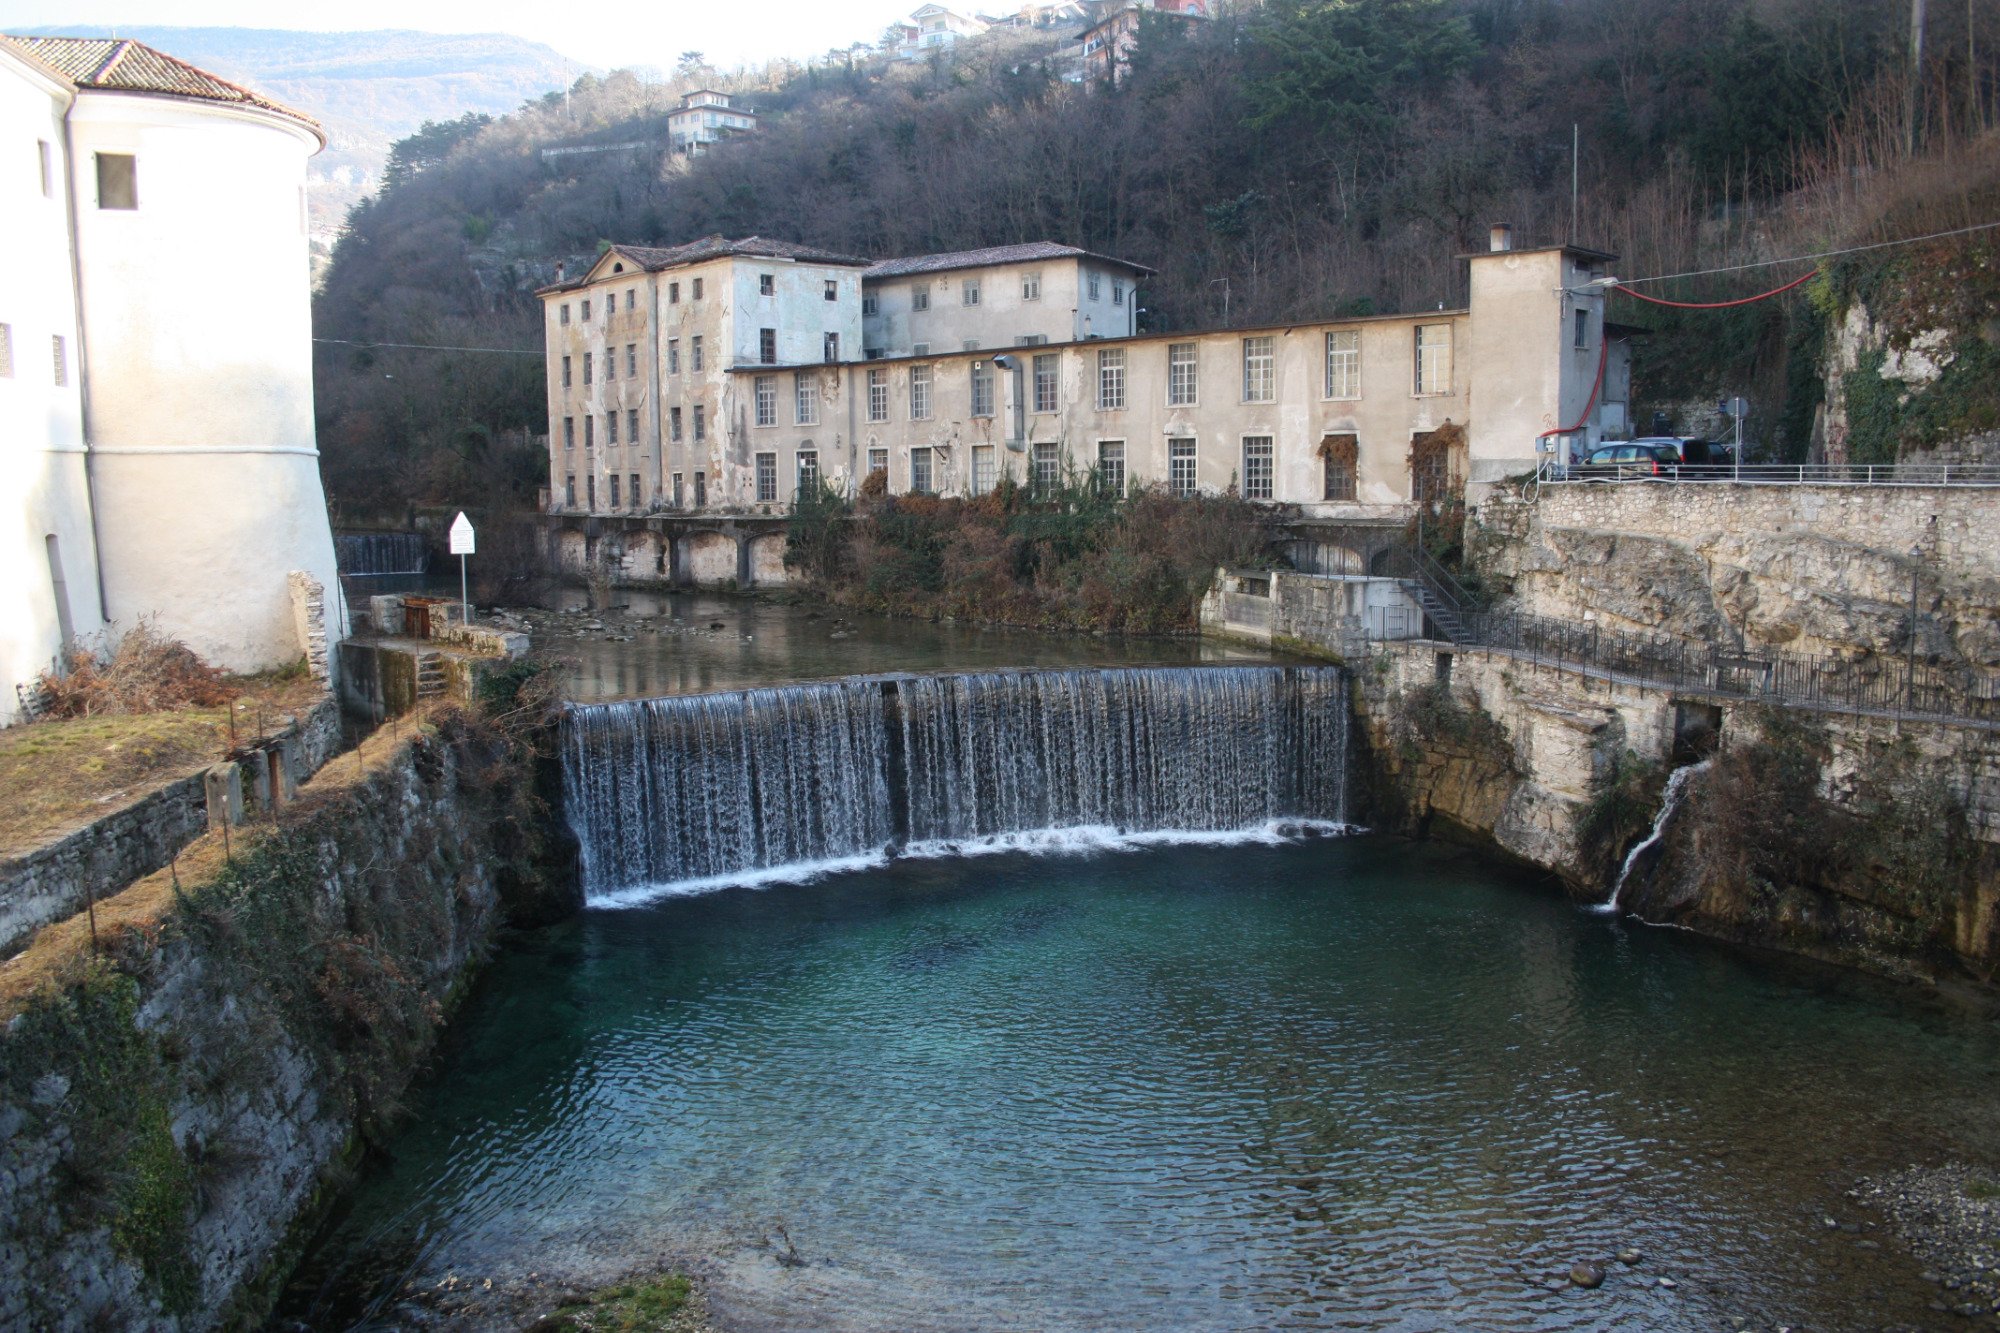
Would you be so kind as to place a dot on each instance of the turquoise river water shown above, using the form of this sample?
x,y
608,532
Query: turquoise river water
x,y
1343,1082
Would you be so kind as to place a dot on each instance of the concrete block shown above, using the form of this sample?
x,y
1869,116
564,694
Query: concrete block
x,y
223,784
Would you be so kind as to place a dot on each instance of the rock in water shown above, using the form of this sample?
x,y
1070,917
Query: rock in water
x,y
1629,1257
1586,1275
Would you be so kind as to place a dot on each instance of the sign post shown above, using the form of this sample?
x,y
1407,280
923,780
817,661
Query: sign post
x,y
461,546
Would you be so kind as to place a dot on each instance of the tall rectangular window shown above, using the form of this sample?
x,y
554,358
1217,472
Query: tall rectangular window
x,y
586,367
767,478
1047,463
920,393
1182,383
1260,370
673,356
590,491
1048,366
700,489
633,492
767,346
562,314
982,388
805,399
1111,379
700,422
694,289
969,291
830,349
1096,290
878,460
673,293
1343,364
614,490
878,395
808,471
1181,467
694,354
1118,293
1582,329
569,490
610,364
590,432
985,474
832,291
631,298
565,372
118,181
1111,467
1031,286
611,428
920,472
1433,358
631,361
1256,467
1340,456
632,424
674,424
767,400
569,432
680,491
871,304
767,285
586,310
920,297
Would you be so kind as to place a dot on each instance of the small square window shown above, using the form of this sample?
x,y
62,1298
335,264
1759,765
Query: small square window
x,y
117,181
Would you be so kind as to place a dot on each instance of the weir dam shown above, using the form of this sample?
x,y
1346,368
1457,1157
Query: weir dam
x,y
687,792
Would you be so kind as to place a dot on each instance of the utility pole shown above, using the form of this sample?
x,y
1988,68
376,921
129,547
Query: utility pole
x,y
1575,149
1913,98
1975,118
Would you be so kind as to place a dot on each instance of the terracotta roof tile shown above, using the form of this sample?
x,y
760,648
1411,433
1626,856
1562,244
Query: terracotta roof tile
x,y
110,64
998,254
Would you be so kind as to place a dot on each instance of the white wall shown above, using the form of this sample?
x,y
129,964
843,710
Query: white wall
x,y
196,308
43,488
1063,313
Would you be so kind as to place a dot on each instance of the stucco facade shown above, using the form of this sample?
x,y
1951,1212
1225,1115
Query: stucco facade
x,y
178,473
1351,418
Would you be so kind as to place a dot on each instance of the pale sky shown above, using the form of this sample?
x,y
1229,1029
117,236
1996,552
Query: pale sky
x,y
731,32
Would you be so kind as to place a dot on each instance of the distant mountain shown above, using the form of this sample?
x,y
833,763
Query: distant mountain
x,y
368,89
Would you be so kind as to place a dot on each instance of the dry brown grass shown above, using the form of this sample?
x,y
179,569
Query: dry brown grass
x,y
62,772
144,672
131,918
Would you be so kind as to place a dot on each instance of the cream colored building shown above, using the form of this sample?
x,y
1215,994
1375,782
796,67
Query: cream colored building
x,y
163,459
1006,296
705,117
1354,418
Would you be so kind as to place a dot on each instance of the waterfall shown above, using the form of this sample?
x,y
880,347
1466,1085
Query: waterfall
x,y
367,554
681,793
1670,801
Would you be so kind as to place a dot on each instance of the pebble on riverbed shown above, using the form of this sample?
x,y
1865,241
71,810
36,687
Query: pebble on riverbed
x,y
1950,1218
1586,1275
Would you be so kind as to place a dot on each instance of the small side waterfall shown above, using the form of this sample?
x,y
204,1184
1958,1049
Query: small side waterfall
x,y
370,554
682,793
1670,801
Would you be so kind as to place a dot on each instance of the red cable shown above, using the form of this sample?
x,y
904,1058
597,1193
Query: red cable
x,y
1717,305
1603,355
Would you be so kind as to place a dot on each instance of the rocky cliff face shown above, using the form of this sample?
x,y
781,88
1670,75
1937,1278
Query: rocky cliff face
x,y
175,1096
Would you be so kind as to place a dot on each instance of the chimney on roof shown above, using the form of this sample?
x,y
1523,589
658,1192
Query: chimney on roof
x,y
559,270
1501,237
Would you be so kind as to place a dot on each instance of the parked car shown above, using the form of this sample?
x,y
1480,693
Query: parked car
x,y
1630,460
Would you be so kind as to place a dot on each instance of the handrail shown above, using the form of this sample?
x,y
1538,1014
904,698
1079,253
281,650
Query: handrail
x,y
1771,474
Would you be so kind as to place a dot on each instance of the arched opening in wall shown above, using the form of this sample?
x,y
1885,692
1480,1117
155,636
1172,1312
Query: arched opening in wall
x,y
1437,465
1340,461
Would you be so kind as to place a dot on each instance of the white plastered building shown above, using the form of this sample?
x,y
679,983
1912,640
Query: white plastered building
x,y
155,360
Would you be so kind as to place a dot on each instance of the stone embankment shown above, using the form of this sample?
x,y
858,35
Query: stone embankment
x,y
184,1081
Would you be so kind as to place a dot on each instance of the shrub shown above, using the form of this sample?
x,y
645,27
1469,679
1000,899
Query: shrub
x,y
145,672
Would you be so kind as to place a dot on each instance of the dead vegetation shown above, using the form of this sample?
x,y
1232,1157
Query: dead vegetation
x,y
144,672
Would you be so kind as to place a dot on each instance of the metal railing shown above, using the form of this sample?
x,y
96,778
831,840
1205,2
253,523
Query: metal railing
x,y
1873,684
1774,474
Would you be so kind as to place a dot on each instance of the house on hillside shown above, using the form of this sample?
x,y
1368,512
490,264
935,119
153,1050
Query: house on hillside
x,y
932,28
1025,362
705,117
164,461
1114,31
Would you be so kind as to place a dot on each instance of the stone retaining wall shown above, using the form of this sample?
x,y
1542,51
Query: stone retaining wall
x,y
59,880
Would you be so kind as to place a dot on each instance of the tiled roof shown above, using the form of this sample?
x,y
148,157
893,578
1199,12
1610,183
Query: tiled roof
x,y
110,64
654,258
998,254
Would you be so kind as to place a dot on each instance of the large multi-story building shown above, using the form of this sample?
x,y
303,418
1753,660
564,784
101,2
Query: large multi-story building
x,y
159,437
1024,362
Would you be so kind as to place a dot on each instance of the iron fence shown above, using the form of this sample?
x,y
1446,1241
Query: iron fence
x,y
1772,474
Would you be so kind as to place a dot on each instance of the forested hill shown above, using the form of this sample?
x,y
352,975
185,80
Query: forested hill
x,y
1289,159
368,89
